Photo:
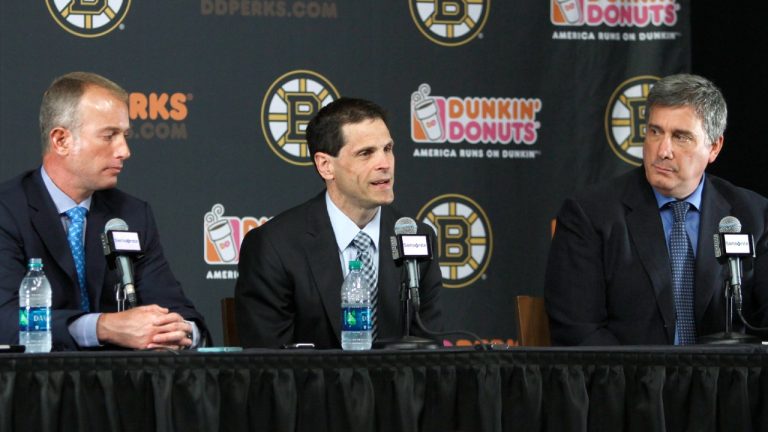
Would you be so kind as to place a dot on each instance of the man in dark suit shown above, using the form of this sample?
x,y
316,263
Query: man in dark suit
x,y
611,276
84,122
291,268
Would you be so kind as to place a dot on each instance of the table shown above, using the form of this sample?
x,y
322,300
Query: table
x,y
700,388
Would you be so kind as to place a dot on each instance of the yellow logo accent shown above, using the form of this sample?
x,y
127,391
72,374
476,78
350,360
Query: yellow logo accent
x,y
450,22
464,238
291,101
625,118
88,18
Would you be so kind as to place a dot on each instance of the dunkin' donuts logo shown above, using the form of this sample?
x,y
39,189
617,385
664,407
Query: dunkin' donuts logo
x,y
88,18
624,13
224,234
626,120
291,101
438,119
450,22
464,238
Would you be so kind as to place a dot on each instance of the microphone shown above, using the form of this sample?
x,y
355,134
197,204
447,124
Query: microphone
x,y
120,243
403,227
731,244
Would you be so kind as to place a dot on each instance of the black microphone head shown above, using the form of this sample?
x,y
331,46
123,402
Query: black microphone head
x,y
116,224
729,224
405,225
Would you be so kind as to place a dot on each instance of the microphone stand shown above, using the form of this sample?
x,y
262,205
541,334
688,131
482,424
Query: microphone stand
x,y
120,297
406,341
729,337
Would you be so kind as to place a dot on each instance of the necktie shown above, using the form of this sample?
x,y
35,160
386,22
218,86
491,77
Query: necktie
x,y
364,246
76,217
681,256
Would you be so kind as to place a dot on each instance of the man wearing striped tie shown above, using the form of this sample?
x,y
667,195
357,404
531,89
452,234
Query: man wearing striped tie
x,y
291,268
632,260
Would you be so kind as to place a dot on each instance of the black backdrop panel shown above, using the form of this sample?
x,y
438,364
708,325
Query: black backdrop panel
x,y
499,110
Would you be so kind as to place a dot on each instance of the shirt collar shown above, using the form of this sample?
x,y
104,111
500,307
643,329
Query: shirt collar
x,y
694,199
345,229
62,201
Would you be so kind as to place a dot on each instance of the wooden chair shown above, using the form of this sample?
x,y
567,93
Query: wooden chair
x,y
229,326
532,321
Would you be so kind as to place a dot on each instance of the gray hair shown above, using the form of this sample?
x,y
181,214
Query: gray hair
x,y
59,107
696,92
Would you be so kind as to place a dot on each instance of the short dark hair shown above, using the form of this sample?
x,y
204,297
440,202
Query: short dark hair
x,y
60,102
324,130
696,92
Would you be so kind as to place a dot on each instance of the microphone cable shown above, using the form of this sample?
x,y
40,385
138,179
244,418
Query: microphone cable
x,y
479,344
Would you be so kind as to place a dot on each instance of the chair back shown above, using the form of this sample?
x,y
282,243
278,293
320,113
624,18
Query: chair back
x,y
532,321
228,323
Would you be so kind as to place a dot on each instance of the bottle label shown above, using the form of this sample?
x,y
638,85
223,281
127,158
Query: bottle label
x,y
34,319
356,319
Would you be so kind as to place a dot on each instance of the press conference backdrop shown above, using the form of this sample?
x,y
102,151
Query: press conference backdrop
x,y
499,110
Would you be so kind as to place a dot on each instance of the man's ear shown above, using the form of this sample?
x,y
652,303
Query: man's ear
x,y
324,165
60,140
715,149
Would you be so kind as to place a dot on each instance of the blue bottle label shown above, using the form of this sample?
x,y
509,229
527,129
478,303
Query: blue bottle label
x,y
34,319
356,319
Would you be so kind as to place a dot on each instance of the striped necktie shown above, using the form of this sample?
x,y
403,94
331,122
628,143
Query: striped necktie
x,y
364,246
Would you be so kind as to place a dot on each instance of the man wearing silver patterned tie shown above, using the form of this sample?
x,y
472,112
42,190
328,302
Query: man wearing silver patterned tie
x,y
291,268
57,212
632,260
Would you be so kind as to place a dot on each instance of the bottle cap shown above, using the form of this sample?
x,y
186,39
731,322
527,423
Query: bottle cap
x,y
35,263
355,265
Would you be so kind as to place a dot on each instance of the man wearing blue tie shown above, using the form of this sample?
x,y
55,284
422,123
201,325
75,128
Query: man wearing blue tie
x,y
632,260
58,211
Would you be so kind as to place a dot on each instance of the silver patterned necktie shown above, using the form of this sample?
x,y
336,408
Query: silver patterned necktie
x,y
76,217
681,257
364,246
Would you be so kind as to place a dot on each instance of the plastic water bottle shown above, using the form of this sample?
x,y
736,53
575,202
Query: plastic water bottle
x,y
356,331
35,309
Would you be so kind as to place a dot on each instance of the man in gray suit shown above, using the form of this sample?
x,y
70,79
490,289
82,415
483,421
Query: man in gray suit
x,y
632,260
291,268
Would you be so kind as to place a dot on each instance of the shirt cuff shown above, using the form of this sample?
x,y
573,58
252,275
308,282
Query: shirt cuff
x,y
83,330
195,334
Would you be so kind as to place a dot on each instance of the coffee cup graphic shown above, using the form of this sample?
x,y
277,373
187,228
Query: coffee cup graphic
x,y
220,234
427,113
571,9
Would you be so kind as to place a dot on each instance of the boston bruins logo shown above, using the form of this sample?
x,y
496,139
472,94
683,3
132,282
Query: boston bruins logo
x,y
450,22
88,18
464,238
625,118
291,101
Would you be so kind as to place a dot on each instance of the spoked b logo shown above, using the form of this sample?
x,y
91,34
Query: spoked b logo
x,y
88,18
450,22
464,238
291,101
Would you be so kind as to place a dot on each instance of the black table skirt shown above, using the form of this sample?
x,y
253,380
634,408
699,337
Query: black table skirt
x,y
629,389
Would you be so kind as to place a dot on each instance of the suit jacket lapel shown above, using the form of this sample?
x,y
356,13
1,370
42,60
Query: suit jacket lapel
x,y
389,280
646,230
709,276
47,223
323,258
94,255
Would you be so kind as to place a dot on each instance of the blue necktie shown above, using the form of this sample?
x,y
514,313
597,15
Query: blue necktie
x,y
76,217
364,246
681,256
